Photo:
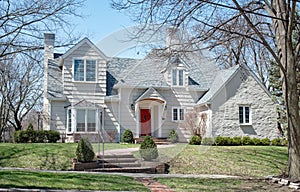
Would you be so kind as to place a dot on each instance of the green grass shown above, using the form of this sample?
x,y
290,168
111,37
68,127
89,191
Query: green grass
x,y
252,161
53,156
68,181
201,184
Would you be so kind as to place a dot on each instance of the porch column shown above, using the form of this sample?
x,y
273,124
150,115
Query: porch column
x,y
137,115
159,120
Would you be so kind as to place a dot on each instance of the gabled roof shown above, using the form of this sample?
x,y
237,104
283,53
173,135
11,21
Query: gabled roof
x,y
221,80
84,103
151,93
80,43
149,72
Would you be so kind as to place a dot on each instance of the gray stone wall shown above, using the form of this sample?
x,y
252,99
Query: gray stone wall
x,y
243,89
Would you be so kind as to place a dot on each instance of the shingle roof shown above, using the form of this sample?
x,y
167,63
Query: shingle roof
x,y
148,72
55,85
220,80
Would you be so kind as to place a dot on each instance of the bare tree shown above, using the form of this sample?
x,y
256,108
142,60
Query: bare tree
x,y
22,23
272,24
22,26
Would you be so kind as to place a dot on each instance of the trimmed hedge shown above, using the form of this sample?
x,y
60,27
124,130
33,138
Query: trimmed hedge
x,y
236,141
36,136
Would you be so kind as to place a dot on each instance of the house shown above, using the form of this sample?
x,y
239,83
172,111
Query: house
x,y
89,94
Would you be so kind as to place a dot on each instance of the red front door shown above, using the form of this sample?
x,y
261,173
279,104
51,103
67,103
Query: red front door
x,y
145,122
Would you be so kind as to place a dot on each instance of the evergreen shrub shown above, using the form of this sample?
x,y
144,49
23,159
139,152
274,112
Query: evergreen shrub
x,y
195,140
84,151
173,136
148,149
127,136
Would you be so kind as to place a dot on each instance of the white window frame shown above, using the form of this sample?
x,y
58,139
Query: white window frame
x,y
176,84
85,120
179,117
85,69
69,120
244,115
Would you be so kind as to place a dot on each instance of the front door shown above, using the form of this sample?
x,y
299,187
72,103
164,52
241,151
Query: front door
x,y
145,122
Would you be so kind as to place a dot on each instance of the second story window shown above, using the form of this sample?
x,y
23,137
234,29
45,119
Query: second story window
x,y
177,77
84,70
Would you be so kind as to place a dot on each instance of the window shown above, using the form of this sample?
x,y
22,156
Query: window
x,y
178,114
178,77
86,120
85,70
69,122
244,115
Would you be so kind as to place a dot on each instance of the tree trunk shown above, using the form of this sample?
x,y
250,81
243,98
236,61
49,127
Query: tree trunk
x,y
292,104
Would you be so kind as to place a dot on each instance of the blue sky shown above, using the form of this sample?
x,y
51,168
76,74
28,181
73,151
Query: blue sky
x,y
103,26
100,20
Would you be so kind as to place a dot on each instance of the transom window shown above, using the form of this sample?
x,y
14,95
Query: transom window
x,y
244,115
177,77
84,70
85,120
177,114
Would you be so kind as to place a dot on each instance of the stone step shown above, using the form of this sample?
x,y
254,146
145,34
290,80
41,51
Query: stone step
x,y
116,165
117,160
115,156
149,170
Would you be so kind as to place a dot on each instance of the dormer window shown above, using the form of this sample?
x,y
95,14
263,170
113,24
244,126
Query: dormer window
x,y
177,77
84,70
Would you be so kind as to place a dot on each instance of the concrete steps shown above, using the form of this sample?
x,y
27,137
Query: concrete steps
x,y
158,141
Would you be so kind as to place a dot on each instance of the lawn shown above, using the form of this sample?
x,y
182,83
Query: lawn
x,y
53,156
250,161
68,181
201,184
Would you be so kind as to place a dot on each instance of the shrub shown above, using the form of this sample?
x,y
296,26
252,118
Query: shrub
x,y
127,136
256,141
207,141
148,149
40,136
276,142
52,136
247,141
265,141
17,138
236,140
285,142
84,151
173,136
195,140
221,141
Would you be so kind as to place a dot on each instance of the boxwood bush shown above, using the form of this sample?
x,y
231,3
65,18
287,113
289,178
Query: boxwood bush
x,y
127,136
195,140
148,149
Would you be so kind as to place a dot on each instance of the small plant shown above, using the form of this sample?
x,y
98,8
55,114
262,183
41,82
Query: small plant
x,y
247,141
256,141
195,140
52,136
127,136
173,136
276,142
237,141
265,141
84,151
148,149
207,141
